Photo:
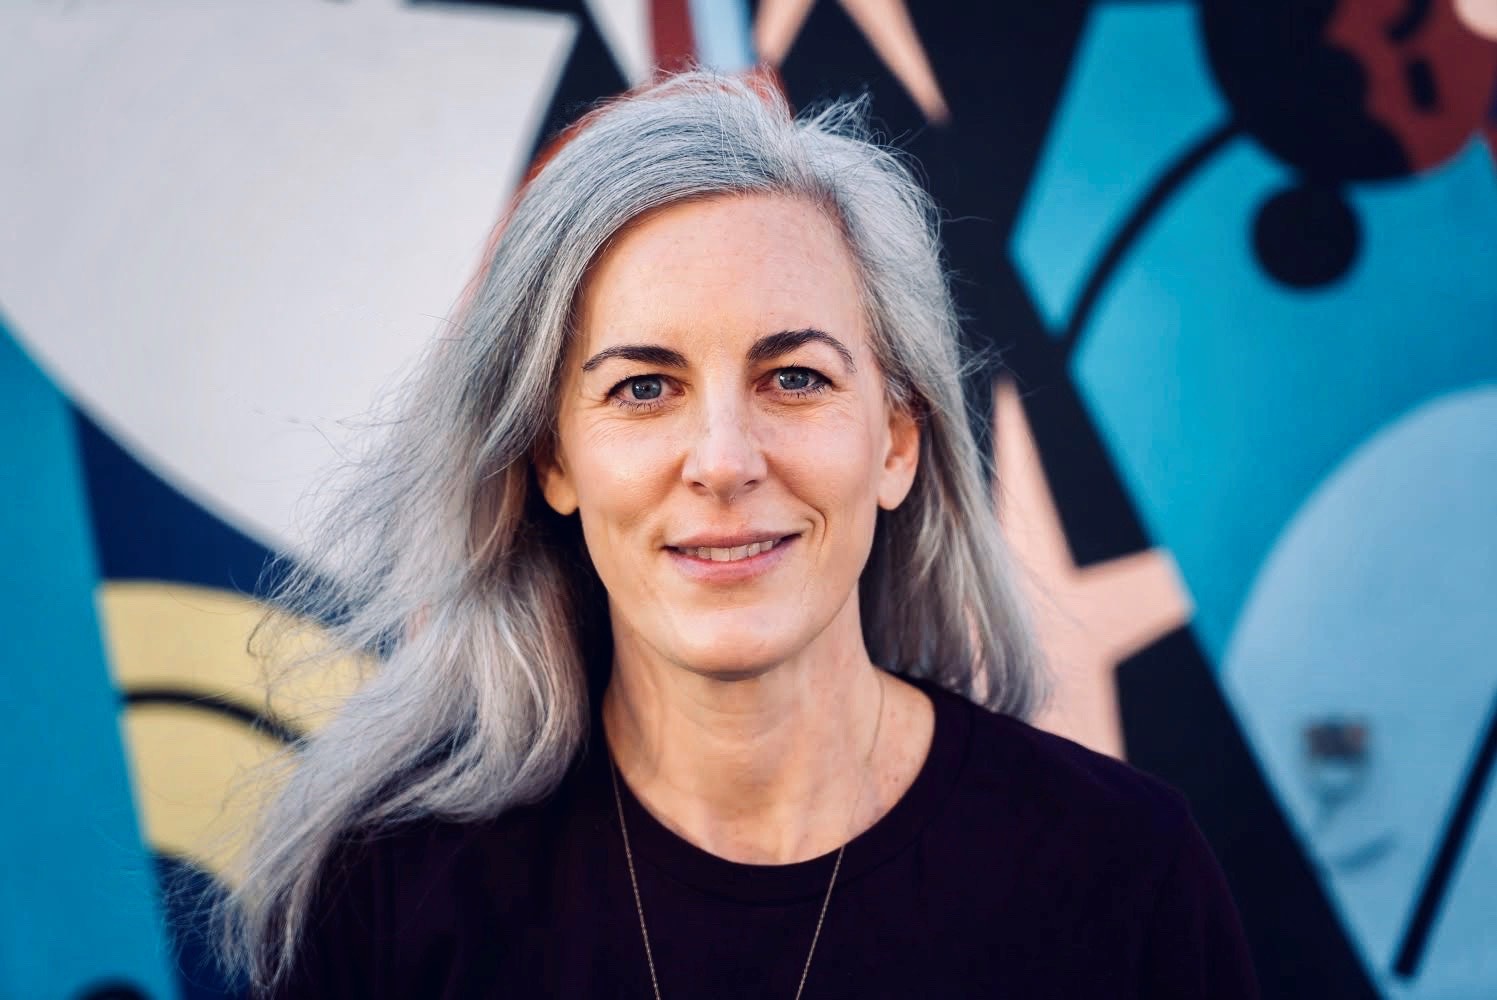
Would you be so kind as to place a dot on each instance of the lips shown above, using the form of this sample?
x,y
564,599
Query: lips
x,y
730,548
732,560
728,553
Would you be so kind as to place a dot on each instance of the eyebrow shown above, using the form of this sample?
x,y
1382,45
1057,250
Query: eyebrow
x,y
772,346
765,348
648,354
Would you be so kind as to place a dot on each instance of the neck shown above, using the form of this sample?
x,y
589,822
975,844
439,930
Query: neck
x,y
770,767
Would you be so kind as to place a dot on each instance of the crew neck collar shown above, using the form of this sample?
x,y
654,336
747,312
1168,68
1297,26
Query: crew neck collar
x,y
683,861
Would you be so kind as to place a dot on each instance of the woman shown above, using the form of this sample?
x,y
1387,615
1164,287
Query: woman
x,y
702,671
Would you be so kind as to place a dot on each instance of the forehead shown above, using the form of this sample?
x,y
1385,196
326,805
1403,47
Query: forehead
x,y
741,264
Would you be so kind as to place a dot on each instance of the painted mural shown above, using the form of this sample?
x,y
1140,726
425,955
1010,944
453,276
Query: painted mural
x,y
1231,268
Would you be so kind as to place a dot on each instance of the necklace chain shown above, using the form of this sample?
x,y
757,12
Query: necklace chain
x,y
634,881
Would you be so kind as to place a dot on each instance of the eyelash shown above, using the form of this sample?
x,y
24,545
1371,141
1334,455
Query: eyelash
x,y
822,384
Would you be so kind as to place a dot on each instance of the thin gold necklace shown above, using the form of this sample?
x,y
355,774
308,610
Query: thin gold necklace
x,y
634,882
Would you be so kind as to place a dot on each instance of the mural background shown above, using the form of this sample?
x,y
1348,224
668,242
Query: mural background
x,y
1231,265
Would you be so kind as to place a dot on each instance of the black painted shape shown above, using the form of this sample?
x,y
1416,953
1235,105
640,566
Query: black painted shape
x,y
1295,90
263,723
1191,159
144,529
1306,236
187,894
1419,78
1452,843
1177,726
1004,70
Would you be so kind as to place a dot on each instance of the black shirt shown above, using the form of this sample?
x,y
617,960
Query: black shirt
x,y
1018,864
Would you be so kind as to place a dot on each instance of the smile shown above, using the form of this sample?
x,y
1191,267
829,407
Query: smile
x,y
719,565
734,554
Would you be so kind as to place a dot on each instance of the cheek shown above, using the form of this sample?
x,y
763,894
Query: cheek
x,y
620,476
831,464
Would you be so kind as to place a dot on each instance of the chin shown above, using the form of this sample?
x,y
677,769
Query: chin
x,y
733,653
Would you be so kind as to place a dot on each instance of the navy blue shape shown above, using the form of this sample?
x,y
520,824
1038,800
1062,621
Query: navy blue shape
x,y
188,892
144,529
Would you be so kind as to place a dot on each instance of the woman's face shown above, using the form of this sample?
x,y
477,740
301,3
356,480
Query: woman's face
x,y
724,434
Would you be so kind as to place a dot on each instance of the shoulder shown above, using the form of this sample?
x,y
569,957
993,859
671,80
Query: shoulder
x,y
409,879
1102,851
1052,790
396,897
414,869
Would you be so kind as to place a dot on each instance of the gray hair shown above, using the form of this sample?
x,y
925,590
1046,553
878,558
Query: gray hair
x,y
485,624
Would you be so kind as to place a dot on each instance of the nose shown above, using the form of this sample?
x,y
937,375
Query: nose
x,y
724,459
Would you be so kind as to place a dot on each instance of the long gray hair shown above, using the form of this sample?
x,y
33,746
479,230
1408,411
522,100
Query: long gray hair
x,y
438,562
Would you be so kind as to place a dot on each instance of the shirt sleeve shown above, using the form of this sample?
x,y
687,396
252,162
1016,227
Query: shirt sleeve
x,y
1194,945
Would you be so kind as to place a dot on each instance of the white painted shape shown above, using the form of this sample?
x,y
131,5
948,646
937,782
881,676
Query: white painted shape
x,y
625,27
223,228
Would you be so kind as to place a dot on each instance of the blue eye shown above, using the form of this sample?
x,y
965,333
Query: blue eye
x,y
799,381
640,392
645,389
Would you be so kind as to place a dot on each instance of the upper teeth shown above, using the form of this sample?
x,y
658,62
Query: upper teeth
x,y
733,554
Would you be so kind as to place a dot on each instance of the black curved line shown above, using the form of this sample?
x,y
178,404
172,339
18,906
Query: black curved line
x,y
1176,174
260,722
1452,842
